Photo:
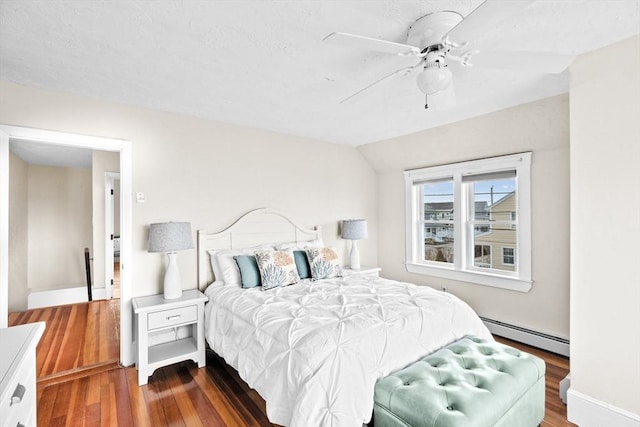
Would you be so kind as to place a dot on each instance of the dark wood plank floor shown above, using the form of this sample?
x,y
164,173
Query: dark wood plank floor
x,y
183,395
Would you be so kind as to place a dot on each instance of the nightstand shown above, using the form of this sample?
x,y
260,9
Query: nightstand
x,y
154,316
362,271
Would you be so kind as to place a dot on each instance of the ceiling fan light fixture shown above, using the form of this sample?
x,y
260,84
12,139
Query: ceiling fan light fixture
x,y
434,79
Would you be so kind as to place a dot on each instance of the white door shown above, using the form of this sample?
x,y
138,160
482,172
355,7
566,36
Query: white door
x,y
112,229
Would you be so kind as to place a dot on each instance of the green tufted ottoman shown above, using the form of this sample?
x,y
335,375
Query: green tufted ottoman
x,y
470,383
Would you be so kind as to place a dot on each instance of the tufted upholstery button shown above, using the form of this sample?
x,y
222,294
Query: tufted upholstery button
x,y
450,408
407,383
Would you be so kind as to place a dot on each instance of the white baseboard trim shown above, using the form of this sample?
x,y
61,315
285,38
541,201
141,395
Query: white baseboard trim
x,y
586,411
527,336
63,296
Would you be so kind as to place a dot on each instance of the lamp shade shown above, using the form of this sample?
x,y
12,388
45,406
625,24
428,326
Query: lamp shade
x,y
434,79
354,229
170,237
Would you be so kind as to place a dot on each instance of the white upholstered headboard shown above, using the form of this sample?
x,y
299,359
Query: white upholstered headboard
x,y
256,227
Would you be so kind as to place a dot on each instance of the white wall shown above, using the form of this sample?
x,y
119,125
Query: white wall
x,y
103,161
59,220
209,173
541,127
605,231
18,233
116,207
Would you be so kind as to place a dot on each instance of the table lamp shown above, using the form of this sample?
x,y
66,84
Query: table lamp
x,y
171,237
354,230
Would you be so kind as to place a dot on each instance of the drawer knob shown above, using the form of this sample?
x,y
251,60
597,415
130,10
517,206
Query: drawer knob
x,y
18,394
177,316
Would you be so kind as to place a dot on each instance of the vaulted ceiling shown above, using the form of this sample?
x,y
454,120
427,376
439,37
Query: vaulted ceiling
x,y
263,64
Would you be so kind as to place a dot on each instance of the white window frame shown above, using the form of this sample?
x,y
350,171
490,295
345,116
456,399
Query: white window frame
x,y
462,267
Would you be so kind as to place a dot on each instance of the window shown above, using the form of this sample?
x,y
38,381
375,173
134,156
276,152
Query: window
x,y
482,256
508,256
456,214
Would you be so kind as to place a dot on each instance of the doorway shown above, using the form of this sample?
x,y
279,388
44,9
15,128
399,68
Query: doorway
x,y
123,147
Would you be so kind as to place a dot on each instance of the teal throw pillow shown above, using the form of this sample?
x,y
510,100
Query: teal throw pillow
x,y
249,272
302,264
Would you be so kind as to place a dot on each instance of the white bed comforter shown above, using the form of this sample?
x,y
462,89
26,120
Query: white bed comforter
x,y
315,350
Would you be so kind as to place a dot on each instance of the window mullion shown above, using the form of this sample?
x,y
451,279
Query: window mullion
x,y
418,244
468,226
459,207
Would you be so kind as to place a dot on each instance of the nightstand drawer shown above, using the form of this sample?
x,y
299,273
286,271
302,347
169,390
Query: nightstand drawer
x,y
176,316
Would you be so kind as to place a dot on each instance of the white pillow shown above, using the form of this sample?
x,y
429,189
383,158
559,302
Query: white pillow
x,y
228,268
299,246
217,273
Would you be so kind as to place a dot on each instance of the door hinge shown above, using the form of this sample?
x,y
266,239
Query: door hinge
x,y
112,191
111,236
111,282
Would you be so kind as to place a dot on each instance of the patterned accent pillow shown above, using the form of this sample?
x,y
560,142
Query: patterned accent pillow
x,y
324,263
277,268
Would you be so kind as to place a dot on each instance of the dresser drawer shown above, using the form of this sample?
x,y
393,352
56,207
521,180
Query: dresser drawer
x,y
176,316
20,401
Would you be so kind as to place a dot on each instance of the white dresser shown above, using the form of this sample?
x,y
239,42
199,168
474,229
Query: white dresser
x,y
18,374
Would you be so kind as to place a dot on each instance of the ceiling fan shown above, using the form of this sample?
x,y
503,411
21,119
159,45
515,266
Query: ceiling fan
x,y
441,37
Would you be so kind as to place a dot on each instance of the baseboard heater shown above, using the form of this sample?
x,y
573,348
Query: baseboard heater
x,y
527,336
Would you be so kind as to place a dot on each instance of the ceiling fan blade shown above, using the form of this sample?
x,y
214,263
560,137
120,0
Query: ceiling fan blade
x,y
542,62
367,43
405,71
484,18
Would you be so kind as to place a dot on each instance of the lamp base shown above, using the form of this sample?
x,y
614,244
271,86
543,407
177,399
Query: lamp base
x,y
354,256
172,282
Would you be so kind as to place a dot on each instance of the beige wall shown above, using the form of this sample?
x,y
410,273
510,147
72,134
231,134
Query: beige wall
x,y
18,233
209,173
605,208
541,127
103,161
59,216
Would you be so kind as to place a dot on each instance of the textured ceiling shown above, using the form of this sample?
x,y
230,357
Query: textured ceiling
x,y
38,153
263,63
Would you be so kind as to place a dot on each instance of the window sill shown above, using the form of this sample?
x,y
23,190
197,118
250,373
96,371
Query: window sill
x,y
477,278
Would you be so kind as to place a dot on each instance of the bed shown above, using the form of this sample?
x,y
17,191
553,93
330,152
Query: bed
x,y
314,350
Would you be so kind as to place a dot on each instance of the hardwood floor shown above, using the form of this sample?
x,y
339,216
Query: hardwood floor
x,y
116,279
180,394
557,368
77,338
